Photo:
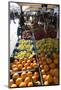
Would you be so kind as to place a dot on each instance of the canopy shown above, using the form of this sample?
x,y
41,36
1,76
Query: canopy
x,y
14,7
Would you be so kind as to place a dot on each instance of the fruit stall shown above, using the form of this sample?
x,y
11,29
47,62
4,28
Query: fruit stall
x,y
34,63
35,58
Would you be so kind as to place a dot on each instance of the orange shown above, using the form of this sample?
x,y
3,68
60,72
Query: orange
x,y
37,83
28,67
51,72
43,58
42,55
14,66
19,66
49,78
44,77
13,85
39,59
29,74
22,84
34,78
40,62
44,63
49,61
41,66
23,62
36,74
20,61
46,68
34,61
52,65
18,81
24,68
34,64
42,71
54,55
39,56
15,61
56,61
15,75
31,65
23,75
46,83
55,80
27,80
30,84
28,61
11,82
15,69
47,72
56,72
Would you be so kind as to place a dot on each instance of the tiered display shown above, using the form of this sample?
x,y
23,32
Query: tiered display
x,y
26,49
34,62
47,50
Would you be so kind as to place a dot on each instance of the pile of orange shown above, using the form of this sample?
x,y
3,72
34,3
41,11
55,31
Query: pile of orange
x,y
22,65
49,69
24,79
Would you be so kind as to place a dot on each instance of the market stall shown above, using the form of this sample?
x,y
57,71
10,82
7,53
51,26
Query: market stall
x,y
36,53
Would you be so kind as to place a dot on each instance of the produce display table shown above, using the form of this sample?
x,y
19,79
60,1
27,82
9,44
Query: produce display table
x,y
33,61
